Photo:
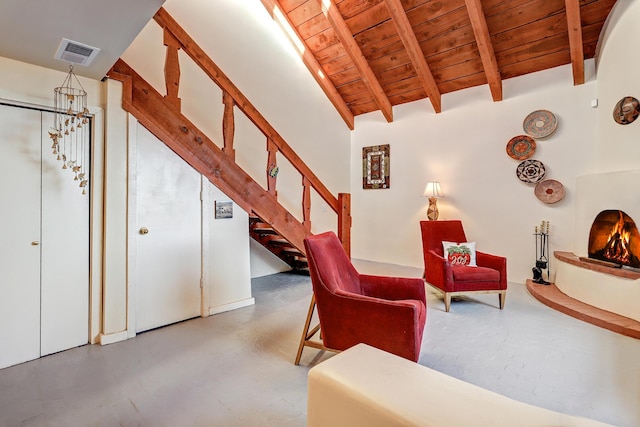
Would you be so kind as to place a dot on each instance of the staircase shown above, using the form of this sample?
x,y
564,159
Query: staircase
x,y
270,224
278,245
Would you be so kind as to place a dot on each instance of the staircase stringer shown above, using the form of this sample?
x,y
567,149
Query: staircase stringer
x,y
164,121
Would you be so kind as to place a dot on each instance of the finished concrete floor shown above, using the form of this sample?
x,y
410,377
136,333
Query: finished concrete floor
x,y
236,368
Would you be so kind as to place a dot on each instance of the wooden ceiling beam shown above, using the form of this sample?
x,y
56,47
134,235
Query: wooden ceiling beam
x,y
485,47
574,27
310,61
353,50
411,44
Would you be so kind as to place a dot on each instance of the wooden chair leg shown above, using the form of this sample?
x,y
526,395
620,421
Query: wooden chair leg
x,y
502,296
447,301
305,331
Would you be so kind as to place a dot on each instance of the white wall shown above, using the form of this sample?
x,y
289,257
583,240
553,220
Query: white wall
x,y
227,269
618,62
31,84
464,147
250,48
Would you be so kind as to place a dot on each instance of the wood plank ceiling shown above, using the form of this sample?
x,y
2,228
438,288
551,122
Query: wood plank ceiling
x,y
369,55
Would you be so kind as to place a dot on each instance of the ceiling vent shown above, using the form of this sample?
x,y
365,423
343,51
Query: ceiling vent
x,y
76,53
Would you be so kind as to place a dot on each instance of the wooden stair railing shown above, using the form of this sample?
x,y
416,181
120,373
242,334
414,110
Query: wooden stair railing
x,y
161,115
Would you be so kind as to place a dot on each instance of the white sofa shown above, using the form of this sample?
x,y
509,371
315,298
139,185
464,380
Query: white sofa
x,y
364,386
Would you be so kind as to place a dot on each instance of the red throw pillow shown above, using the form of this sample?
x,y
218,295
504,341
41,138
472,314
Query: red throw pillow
x,y
460,253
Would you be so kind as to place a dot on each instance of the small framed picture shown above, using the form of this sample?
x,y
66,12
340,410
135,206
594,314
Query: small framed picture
x,y
375,167
224,209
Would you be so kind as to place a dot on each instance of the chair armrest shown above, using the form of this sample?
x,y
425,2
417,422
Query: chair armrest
x,y
394,326
438,271
393,288
496,262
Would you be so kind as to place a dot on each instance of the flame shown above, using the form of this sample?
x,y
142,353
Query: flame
x,y
617,247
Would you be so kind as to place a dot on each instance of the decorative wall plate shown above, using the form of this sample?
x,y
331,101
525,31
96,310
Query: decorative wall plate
x,y
549,191
521,147
626,110
531,171
540,124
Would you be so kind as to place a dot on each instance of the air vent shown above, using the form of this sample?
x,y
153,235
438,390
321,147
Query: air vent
x,y
76,53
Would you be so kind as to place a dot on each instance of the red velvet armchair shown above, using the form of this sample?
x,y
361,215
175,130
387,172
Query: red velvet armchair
x,y
384,312
490,275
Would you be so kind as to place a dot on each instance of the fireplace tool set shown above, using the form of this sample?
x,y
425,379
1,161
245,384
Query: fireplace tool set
x,y
541,235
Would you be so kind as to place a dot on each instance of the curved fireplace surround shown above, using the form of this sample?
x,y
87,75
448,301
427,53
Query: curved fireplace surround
x,y
601,200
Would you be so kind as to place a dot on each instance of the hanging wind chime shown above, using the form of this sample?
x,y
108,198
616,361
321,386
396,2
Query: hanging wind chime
x,y
70,128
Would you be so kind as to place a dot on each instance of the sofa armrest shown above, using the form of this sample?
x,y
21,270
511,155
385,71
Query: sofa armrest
x,y
364,386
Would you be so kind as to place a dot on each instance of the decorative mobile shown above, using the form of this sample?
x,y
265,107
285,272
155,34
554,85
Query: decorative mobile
x,y
70,128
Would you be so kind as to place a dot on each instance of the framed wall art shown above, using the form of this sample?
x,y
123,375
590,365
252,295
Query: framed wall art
x,y
375,167
224,209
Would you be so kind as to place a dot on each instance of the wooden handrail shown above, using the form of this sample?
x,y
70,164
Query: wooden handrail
x,y
193,50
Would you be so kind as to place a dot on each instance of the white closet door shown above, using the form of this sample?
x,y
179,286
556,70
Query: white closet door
x,y
168,261
65,254
20,156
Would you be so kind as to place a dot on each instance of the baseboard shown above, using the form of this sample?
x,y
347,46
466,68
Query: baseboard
x,y
232,306
115,337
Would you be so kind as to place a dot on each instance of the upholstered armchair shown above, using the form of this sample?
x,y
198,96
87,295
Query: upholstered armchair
x,y
454,277
388,313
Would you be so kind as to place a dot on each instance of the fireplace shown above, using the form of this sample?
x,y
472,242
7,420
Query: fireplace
x,y
604,202
614,238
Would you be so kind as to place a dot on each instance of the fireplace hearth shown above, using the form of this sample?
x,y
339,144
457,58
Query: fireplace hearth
x,y
614,239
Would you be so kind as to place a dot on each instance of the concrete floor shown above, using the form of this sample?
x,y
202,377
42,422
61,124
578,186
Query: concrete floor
x,y
236,368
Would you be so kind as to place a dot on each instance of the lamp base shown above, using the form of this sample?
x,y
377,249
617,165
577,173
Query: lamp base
x,y
432,210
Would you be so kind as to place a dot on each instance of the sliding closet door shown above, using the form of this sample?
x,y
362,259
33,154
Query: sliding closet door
x,y
65,253
20,159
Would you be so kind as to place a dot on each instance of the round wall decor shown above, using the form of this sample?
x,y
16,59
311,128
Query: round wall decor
x,y
626,110
531,171
549,191
521,147
540,123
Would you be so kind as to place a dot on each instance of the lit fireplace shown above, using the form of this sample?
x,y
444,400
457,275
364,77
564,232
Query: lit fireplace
x,y
614,238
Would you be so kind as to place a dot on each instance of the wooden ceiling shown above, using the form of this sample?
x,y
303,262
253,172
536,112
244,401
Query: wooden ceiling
x,y
370,55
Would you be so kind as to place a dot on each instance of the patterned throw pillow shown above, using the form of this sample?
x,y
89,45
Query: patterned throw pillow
x,y
460,253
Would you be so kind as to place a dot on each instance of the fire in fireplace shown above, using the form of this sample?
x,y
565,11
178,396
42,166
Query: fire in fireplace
x,y
614,238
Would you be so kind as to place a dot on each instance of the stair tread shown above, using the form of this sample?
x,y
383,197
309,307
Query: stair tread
x,y
264,231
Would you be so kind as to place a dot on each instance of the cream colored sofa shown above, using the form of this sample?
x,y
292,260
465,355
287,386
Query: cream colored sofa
x,y
364,386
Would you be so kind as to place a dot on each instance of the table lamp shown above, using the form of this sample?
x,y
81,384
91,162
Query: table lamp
x,y
433,192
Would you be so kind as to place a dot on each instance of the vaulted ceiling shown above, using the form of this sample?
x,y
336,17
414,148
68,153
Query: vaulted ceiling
x,y
369,55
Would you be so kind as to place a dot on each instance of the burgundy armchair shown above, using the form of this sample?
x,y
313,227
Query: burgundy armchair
x,y
490,275
388,313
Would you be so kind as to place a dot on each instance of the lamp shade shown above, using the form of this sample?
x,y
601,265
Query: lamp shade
x,y
433,189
